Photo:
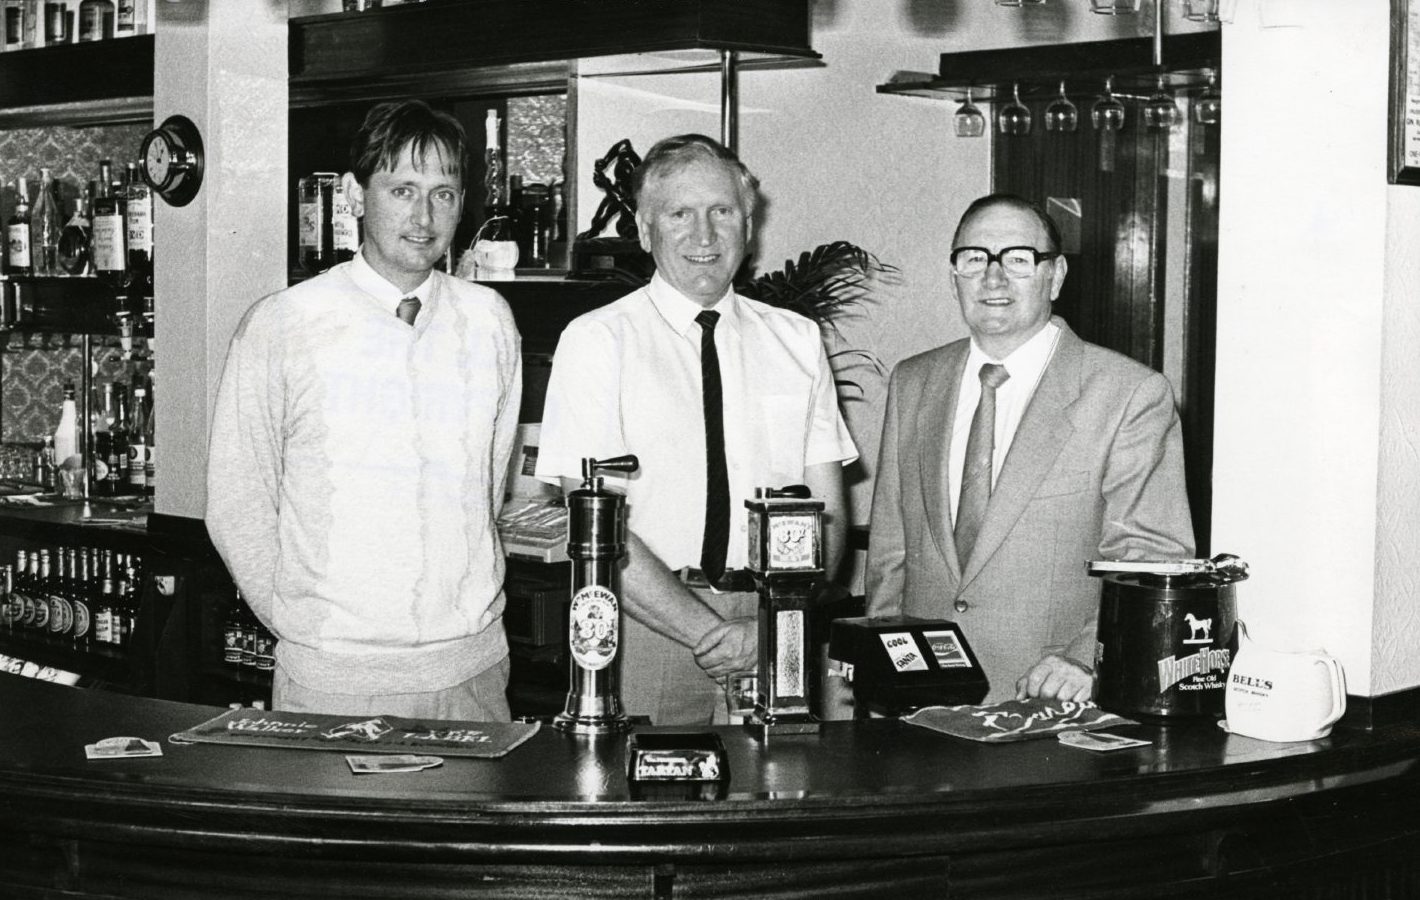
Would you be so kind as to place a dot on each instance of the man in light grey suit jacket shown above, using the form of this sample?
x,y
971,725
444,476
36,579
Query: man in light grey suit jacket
x,y
1088,464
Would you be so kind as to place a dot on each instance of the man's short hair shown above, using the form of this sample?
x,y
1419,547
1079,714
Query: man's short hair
x,y
390,127
1014,201
670,155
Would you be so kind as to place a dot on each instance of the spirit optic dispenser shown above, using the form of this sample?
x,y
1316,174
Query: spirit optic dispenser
x,y
596,540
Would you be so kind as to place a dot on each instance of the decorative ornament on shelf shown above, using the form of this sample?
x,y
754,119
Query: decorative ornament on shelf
x,y
602,257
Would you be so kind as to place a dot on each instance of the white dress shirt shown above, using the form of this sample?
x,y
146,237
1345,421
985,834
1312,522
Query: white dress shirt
x,y
626,379
1025,366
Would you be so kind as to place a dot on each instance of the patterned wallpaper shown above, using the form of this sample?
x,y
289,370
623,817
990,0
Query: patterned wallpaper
x,y
537,137
33,368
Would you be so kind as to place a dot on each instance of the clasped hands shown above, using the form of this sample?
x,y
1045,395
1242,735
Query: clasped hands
x,y
729,647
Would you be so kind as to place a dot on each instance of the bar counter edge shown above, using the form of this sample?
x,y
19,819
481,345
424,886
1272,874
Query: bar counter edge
x,y
855,810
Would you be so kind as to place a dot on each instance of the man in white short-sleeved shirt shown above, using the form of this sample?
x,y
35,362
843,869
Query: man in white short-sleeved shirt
x,y
627,378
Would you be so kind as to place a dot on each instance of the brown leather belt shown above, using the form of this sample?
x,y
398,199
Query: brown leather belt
x,y
732,581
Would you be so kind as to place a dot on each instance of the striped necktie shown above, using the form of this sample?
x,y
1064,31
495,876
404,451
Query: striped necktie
x,y
980,455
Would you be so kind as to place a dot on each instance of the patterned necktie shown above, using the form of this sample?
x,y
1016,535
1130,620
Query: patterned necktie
x,y
717,479
408,309
976,470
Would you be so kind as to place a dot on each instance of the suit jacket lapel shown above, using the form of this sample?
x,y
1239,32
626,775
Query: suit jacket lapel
x,y
934,443
1041,434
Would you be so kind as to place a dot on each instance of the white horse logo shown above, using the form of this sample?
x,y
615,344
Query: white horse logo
x,y
1202,629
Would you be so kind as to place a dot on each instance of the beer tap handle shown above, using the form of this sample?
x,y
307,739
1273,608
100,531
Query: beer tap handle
x,y
590,466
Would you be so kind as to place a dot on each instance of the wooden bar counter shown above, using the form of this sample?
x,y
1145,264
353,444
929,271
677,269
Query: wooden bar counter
x,y
860,809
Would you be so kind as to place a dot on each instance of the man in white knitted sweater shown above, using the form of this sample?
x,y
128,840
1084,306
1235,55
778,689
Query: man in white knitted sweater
x,y
359,452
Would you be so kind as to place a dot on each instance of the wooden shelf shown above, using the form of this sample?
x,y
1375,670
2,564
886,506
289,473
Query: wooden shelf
x,y
493,47
98,82
1083,66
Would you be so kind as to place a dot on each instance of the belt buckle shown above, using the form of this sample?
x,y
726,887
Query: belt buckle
x,y
693,577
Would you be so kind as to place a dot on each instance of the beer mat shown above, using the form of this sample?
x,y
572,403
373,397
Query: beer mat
x,y
121,748
1015,720
368,735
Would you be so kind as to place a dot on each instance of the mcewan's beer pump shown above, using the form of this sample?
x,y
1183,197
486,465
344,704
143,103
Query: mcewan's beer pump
x,y
596,541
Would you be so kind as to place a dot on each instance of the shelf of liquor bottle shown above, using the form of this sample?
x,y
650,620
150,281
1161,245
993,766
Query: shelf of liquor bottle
x,y
57,85
68,304
96,661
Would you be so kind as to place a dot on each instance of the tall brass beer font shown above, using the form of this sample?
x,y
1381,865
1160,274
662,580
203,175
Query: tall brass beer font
x,y
787,559
596,541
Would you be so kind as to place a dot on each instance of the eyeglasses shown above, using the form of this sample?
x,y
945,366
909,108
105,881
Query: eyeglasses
x,y
1016,262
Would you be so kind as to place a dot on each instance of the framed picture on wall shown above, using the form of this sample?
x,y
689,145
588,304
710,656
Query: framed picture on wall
x,y
1404,150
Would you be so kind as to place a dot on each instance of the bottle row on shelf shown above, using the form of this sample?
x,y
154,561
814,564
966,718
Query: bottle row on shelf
x,y
80,597
122,449
246,643
29,24
109,234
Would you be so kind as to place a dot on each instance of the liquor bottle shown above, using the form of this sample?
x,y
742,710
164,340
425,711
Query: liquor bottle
x,y
45,226
57,24
265,648
315,205
344,226
82,634
137,450
75,237
249,625
39,591
103,607
109,251
44,474
61,611
132,595
19,259
117,476
120,628
131,18
9,611
96,20
232,630
22,25
67,441
150,450
20,592
99,407
138,219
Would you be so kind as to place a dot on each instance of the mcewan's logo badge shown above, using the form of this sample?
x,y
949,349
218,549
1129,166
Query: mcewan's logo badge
x,y
1172,670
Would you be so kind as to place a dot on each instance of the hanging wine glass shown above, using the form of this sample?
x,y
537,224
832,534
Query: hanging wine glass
x,y
1114,7
968,121
1160,110
1108,113
1061,114
1200,10
1014,117
1208,108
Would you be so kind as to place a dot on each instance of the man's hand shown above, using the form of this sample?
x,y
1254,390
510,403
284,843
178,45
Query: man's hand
x,y
1057,678
730,647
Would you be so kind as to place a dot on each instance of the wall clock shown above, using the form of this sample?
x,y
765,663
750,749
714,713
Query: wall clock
x,y
171,160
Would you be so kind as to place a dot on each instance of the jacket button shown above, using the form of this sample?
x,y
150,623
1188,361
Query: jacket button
x,y
961,606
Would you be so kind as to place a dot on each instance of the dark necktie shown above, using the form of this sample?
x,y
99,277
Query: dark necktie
x,y
976,470
717,480
408,309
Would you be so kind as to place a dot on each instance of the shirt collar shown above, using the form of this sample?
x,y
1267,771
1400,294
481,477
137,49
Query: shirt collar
x,y
680,311
1026,362
384,293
